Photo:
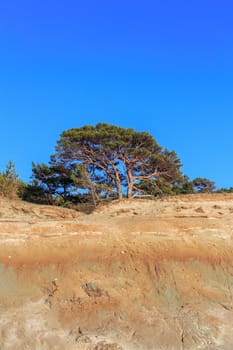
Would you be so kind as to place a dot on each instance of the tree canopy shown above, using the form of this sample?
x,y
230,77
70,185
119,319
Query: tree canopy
x,y
117,160
93,163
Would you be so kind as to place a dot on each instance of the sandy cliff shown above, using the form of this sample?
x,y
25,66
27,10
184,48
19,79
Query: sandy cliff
x,y
137,274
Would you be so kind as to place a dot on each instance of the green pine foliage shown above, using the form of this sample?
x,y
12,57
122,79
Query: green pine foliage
x,y
117,158
94,164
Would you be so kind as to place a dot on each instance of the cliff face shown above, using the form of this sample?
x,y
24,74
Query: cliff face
x,y
137,274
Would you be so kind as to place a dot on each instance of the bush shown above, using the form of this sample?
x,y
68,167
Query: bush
x,y
35,194
10,184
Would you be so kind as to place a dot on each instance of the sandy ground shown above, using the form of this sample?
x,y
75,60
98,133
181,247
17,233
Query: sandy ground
x,y
138,274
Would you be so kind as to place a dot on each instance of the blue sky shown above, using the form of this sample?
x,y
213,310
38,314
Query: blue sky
x,y
163,66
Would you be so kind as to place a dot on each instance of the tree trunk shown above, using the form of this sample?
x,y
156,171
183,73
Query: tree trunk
x,y
119,187
130,184
93,193
118,182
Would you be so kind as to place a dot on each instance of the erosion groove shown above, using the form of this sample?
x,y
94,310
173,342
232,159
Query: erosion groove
x,y
134,275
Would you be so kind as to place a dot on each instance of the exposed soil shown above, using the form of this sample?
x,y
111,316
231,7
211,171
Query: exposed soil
x,y
133,275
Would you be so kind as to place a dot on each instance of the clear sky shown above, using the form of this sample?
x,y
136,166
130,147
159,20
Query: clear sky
x,y
163,66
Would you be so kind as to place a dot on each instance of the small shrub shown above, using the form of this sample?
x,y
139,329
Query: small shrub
x,y
10,184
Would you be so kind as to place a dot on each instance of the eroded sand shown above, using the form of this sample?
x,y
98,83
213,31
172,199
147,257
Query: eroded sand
x,y
137,274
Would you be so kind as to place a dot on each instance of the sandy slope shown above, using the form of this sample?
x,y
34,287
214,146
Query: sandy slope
x,y
137,274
